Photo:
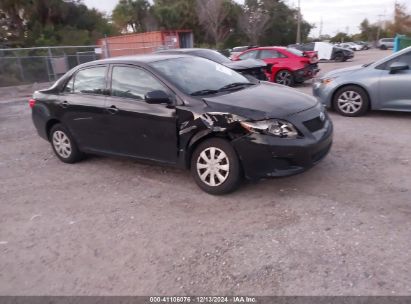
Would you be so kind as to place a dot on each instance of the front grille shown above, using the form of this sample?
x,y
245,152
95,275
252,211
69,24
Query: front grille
x,y
314,125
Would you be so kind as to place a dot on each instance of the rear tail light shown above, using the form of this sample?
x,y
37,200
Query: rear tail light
x,y
32,103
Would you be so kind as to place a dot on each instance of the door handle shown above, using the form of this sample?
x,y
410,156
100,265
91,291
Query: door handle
x,y
112,110
64,104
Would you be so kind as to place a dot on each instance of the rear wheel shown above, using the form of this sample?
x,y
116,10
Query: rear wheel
x,y
215,167
284,77
383,47
351,101
64,145
339,57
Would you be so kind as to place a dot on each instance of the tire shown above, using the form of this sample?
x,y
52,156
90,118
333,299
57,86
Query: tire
x,y
228,167
339,57
284,77
351,101
63,145
383,47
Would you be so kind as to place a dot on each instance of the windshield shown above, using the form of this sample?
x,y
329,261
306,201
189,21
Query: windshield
x,y
295,52
194,74
212,55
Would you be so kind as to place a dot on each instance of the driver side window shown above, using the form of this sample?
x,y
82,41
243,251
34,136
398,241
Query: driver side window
x,y
133,83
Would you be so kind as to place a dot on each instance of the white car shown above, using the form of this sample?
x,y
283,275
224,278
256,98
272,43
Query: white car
x,y
352,46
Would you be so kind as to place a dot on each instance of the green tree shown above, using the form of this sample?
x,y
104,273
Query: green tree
x,y
402,20
282,28
132,15
51,22
341,37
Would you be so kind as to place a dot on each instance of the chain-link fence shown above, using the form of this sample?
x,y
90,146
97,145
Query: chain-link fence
x,y
41,64
45,64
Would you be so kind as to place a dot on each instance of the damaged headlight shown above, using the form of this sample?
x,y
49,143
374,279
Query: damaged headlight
x,y
275,127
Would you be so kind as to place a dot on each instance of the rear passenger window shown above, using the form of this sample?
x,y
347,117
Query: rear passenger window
x,y
129,82
248,55
308,47
90,81
270,54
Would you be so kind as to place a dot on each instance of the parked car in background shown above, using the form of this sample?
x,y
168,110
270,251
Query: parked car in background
x,y
351,45
183,111
239,49
385,43
383,85
289,65
252,67
326,51
364,45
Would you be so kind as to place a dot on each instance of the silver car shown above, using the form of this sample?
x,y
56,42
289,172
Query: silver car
x,y
382,85
385,43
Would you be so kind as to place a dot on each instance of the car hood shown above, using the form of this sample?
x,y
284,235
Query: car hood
x,y
344,71
262,101
245,64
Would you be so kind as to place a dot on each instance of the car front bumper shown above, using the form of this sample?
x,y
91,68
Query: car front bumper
x,y
323,92
265,156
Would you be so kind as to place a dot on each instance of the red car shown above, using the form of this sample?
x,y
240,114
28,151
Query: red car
x,y
289,65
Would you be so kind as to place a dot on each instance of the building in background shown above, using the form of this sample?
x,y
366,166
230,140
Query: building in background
x,y
144,43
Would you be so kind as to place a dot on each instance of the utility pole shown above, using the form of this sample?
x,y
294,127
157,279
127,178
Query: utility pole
x,y
299,23
321,28
380,25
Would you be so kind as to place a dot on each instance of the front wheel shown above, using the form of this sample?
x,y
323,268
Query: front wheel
x,y
351,101
215,167
284,77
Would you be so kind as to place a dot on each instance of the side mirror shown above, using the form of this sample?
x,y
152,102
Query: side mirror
x,y
398,66
157,97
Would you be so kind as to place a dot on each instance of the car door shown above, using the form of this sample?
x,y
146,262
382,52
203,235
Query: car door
x,y
276,59
135,127
395,88
82,103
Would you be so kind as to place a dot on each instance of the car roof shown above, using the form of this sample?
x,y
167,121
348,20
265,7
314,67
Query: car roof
x,y
149,58
270,47
186,50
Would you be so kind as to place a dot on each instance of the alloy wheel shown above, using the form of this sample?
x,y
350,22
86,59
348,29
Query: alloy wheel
x,y
213,166
284,78
350,102
62,144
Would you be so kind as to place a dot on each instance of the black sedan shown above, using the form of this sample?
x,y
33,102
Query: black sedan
x,y
157,108
250,67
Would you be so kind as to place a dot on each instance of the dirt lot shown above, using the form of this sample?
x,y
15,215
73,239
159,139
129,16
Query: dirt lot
x,y
117,227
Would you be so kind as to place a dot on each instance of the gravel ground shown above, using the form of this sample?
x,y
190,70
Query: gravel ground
x,y
117,227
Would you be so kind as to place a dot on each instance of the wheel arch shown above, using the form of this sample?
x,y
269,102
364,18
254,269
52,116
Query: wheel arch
x,y
50,123
200,137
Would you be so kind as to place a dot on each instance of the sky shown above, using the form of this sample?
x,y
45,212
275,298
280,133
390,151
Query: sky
x,y
336,15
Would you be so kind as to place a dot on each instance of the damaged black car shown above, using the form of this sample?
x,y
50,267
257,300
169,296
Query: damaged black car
x,y
183,111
